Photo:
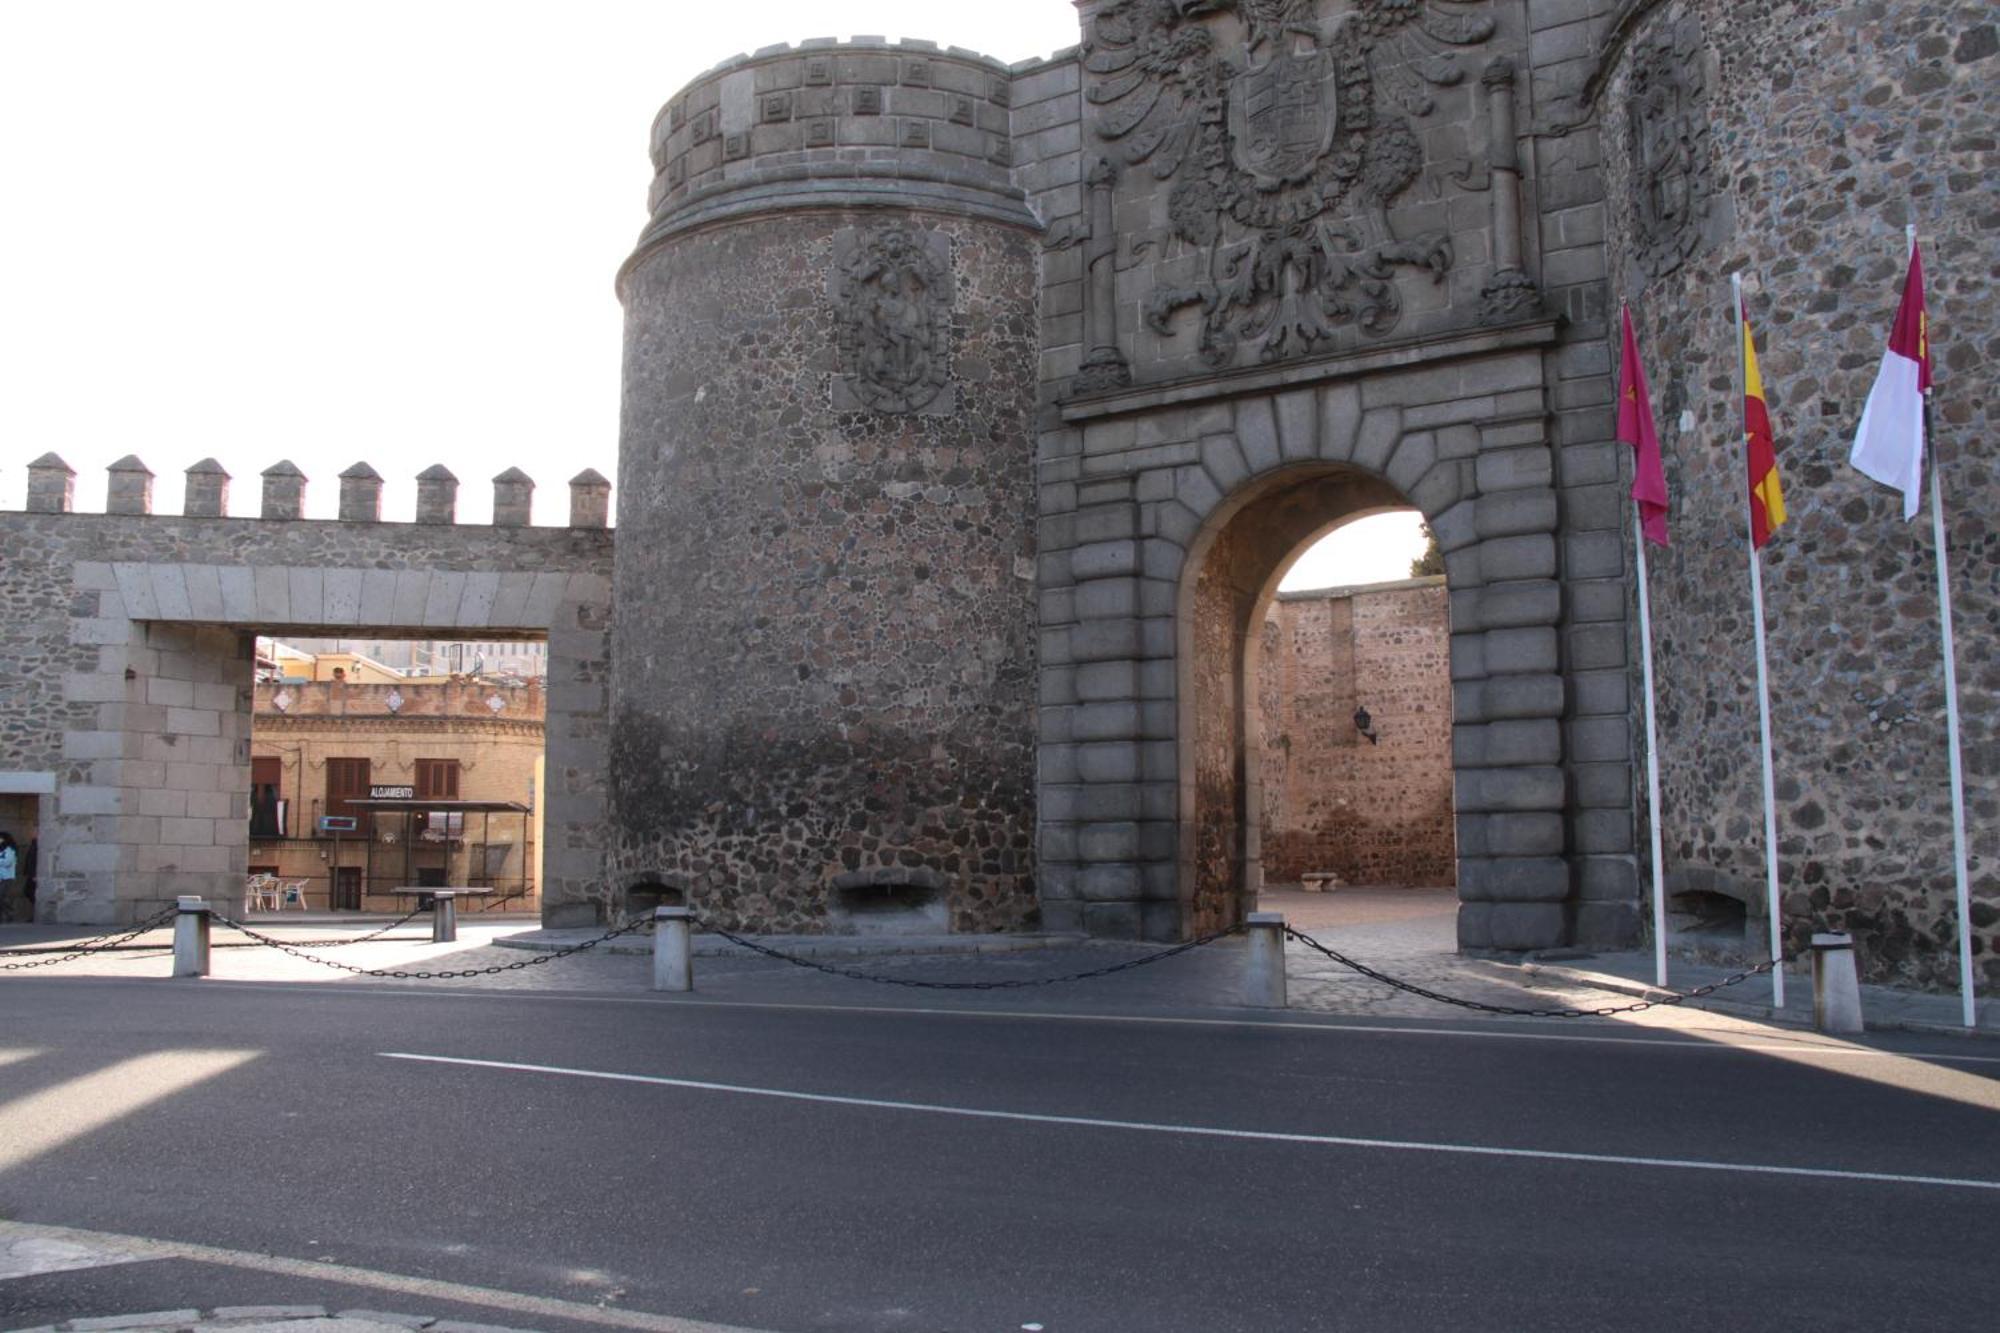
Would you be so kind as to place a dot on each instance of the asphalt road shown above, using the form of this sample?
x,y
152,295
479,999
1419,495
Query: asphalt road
x,y
789,1169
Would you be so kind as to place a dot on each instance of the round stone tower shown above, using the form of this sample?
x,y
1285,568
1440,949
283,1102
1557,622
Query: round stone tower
x,y
823,710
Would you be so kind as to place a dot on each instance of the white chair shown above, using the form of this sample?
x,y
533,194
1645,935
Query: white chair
x,y
287,894
260,893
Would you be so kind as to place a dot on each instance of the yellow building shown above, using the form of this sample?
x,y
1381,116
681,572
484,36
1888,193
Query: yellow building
x,y
358,790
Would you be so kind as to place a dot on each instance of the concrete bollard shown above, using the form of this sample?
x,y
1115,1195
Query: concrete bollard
x,y
1264,971
191,938
673,951
1836,985
444,918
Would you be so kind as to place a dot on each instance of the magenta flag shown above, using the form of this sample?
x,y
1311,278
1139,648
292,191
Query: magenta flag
x,y
1635,427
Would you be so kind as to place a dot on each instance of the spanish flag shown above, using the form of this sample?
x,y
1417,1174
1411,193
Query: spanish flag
x,y
1767,497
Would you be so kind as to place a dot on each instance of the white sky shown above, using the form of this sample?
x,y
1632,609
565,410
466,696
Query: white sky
x,y
352,231
359,231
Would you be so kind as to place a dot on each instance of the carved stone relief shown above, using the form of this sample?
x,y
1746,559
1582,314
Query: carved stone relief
x,y
1287,131
1667,147
891,289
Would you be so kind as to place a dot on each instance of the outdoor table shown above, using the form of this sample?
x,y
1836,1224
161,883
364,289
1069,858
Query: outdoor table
x,y
444,912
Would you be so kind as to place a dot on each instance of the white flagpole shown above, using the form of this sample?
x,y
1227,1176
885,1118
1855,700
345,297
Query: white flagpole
x,y
1652,761
1763,673
1967,991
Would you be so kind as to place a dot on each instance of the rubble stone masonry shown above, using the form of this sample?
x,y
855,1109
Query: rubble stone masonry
x,y
1334,801
1805,138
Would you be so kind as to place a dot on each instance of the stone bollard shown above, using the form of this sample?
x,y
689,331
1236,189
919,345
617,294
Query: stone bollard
x,y
673,951
191,938
1836,985
444,918
1264,971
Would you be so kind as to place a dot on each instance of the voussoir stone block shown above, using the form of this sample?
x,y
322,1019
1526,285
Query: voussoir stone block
x,y
1339,422
1257,434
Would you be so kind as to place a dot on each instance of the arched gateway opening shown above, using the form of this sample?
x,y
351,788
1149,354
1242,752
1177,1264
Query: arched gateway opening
x,y
1269,695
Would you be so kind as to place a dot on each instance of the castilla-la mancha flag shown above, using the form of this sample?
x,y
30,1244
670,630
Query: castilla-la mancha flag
x,y
1890,444
1635,427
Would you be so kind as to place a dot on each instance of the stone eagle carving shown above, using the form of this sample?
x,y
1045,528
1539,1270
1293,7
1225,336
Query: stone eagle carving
x,y
1286,131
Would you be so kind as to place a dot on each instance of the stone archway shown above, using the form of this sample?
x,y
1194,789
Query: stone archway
x,y
1135,495
1228,583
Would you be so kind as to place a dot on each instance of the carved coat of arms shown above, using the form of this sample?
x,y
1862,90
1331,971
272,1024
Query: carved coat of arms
x,y
1667,149
1286,129
892,298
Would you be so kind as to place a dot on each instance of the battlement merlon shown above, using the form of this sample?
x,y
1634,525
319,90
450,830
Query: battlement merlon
x,y
129,491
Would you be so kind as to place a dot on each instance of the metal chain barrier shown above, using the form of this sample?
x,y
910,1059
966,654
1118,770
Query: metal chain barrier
x,y
104,943
1018,983
397,974
1672,998
337,942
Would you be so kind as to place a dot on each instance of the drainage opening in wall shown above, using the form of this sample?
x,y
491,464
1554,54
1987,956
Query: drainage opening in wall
x,y
642,898
1701,916
888,901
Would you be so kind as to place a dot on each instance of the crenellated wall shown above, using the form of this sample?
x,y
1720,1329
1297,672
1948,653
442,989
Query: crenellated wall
x,y
125,662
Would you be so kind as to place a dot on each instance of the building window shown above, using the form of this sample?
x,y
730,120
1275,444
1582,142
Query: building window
x,y
267,807
346,782
437,779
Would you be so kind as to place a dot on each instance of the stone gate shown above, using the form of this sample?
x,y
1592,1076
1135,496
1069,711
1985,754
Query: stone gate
x,y
128,651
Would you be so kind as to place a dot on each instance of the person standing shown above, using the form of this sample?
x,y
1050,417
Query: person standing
x,y
10,861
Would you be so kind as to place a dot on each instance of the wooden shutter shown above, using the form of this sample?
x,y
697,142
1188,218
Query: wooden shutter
x,y
347,780
437,779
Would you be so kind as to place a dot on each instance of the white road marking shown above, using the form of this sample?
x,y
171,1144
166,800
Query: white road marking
x,y
137,1248
1502,1029
1208,1131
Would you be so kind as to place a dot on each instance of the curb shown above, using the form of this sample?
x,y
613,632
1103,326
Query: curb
x,y
1739,1009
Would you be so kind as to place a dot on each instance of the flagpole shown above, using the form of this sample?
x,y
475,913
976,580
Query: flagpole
x,y
1652,760
1763,688
1967,992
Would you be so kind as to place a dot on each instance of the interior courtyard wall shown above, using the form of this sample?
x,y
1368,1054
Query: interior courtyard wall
x,y
1371,807
1794,142
126,670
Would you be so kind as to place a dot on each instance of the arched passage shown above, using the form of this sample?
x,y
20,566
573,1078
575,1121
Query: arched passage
x,y
1228,584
